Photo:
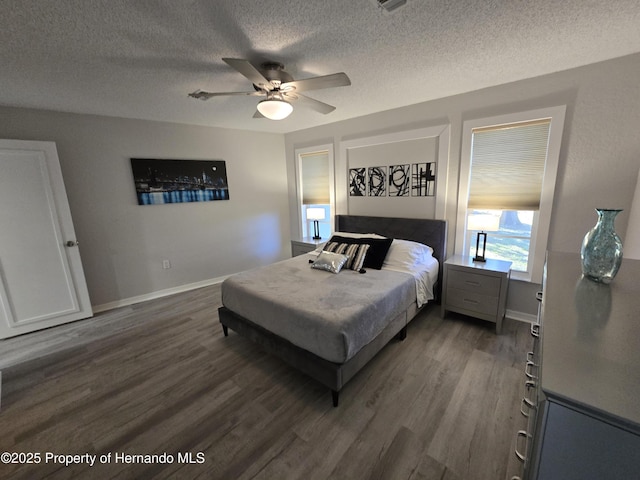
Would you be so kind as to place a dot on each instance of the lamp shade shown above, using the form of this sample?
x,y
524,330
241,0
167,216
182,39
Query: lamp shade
x,y
484,222
315,213
631,248
275,109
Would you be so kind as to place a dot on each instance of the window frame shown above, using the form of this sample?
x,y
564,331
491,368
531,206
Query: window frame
x,y
541,218
299,153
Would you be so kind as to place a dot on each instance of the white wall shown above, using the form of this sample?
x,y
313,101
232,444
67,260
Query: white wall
x,y
420,150
599,158
122,244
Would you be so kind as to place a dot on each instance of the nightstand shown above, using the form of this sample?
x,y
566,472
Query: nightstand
x,y
307,244
477,289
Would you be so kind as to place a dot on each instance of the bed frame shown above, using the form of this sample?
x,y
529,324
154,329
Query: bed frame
x,y
336,375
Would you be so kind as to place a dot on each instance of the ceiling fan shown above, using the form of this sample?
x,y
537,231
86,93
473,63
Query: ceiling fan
x,y
279,88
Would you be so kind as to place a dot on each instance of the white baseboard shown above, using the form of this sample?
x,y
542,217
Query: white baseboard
x,y
159,294
521,316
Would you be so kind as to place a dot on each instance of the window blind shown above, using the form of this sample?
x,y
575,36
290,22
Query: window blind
x,y
315,178
507,165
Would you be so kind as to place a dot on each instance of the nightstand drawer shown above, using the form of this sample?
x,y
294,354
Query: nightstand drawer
x,y
305,245
472,301
297,249
473,283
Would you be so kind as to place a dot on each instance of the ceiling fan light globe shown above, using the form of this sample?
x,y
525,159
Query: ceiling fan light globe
x,y
275,109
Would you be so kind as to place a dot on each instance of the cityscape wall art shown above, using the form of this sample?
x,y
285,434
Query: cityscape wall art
x,y
160,181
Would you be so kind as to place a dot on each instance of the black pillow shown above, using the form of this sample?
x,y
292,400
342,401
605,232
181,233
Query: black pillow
x,y
378,249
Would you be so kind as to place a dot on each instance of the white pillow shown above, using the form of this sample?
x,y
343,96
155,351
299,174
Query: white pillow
x,y
405,253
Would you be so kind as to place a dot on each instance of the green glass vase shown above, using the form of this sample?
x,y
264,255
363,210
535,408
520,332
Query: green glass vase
x,y
601,250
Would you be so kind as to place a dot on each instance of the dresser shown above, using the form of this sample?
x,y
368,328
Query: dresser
x,y
477,289
582,377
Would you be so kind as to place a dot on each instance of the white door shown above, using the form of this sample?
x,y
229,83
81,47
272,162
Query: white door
x,y
42,283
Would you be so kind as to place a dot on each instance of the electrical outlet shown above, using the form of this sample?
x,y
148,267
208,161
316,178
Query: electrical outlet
x,y
166,264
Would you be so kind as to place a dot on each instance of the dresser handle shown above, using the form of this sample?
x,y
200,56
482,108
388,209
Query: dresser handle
x,y
474,302
526,403
521,433
527,370
473,284
527,399
535,330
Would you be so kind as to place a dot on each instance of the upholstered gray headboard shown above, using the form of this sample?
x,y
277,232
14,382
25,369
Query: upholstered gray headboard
x,y
429,232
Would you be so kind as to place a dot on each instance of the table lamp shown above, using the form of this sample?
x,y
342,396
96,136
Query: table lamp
x,y
315,214
482,222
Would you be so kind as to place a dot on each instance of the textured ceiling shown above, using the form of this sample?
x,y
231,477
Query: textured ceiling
x,y
140,58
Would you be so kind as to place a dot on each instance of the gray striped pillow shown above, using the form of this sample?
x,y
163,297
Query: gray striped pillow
x,y
356,252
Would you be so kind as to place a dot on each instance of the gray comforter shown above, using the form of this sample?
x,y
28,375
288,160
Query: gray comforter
x,y
330,315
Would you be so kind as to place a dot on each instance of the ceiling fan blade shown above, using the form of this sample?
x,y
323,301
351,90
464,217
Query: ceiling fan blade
x,y
312,103
201,95
316,83
249,71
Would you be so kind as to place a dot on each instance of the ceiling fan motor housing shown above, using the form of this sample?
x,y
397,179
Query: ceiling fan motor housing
x,y
274,72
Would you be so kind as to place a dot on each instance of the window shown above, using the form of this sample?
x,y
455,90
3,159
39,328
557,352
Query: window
x,y
508,173
315,189
509,239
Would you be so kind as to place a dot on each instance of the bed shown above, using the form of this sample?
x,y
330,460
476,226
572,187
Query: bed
x,y
283,307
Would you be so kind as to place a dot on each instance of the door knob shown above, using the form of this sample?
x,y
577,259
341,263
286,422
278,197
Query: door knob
x,y
72,243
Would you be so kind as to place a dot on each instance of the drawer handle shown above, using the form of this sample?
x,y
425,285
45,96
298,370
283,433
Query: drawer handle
x,y
535,330
527,399
467,300
530,357
474,284
521,433
526,403
527,370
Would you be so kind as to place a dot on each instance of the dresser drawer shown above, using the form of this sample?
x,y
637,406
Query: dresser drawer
x,y
472,301
473,282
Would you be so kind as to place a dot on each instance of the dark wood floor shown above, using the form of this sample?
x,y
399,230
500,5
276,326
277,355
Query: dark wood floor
x,y
159,377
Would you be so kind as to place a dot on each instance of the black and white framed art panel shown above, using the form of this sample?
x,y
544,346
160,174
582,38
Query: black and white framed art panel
x,y
357,182
400,180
